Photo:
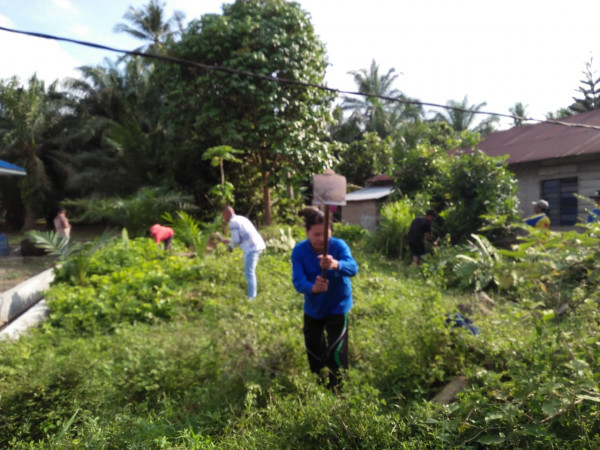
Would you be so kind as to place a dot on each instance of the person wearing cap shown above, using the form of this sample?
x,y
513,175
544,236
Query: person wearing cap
x,y
594,215
161,234
420,228
540,219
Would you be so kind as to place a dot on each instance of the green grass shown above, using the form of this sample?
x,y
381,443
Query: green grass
x,y
180,359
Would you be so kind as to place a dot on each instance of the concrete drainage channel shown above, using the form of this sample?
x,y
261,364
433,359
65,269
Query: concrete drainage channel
x,y
23,306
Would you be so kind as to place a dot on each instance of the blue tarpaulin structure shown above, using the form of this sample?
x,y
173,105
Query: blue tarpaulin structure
x,y
10,169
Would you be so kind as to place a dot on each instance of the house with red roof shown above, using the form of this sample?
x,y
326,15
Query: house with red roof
x,y
552,162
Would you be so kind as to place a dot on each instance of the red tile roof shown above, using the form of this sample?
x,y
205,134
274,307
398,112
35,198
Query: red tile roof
x,y
379,179
546,140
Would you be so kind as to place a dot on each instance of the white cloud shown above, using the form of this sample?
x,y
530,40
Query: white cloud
x,y
81,31
28,55
64,4
6,22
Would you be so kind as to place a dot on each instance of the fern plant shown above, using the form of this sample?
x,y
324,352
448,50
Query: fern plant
x,y
75,256
190,231
53,244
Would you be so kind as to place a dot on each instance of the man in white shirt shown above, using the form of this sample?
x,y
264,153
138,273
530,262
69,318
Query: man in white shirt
x,y
249,240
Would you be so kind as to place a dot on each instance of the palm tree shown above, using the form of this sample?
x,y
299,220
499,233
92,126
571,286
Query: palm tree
x,y
119,127
376,114
148,24
461,116
520,113
32,123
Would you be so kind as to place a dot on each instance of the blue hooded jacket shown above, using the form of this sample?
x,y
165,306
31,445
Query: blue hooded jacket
x,y
306,267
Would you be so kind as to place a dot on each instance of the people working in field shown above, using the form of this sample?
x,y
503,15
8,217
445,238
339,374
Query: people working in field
x,y
327,299
594,215
161,234
419,230
62,225
244,235
540,219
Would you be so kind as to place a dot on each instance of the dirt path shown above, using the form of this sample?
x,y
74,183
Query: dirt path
x,y
16,269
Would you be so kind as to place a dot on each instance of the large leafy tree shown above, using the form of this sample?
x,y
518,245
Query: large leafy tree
x,y
461,116
365,158
279,125
32,120
148,24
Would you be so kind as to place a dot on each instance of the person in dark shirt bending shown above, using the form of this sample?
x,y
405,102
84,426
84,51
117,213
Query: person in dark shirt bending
x,y
420,229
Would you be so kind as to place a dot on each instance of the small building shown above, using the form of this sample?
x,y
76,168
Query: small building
x,y
362,206
553,162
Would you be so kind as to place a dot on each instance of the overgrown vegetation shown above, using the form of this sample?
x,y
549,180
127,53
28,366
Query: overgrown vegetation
x,y
159,350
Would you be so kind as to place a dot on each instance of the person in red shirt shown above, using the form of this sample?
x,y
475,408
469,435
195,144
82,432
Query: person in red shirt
x,y
161,234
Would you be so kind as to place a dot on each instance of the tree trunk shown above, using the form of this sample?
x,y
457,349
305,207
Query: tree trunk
x,y
267,198
290,187
29,218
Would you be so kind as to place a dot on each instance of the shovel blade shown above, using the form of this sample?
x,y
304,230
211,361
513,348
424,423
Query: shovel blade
x,y
329,189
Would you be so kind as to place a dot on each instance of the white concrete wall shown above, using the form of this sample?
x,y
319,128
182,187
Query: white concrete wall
x,y
364,213
20,306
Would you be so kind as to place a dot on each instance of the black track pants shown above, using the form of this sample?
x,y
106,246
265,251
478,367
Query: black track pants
x,y
326,343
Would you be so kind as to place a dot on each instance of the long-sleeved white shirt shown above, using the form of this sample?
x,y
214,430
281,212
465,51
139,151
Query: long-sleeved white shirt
x,y
245,235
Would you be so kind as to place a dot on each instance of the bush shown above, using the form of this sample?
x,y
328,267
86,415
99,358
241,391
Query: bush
x,y
390,237
476,185
352,234
462,188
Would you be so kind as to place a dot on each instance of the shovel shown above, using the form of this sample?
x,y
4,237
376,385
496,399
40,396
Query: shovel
x,y
328,189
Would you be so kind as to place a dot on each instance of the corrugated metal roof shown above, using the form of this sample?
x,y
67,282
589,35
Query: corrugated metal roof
x,y
545,140
10,169
369,193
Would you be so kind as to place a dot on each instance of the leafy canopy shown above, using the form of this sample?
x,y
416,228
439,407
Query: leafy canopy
x,y
279,125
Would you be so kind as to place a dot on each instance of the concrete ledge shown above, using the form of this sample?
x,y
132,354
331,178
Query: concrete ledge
x,y
19,299
33,317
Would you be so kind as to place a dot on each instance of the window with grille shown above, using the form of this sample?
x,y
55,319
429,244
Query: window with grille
x,y
563,204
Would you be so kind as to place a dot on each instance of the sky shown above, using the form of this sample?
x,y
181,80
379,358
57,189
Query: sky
x,y
497,52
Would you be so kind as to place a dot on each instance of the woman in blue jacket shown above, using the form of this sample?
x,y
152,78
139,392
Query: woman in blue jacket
x,y
327,300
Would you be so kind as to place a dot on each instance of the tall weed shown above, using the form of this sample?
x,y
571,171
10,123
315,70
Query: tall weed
x,y
390,238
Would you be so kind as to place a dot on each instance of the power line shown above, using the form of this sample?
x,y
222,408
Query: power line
x,y
217,68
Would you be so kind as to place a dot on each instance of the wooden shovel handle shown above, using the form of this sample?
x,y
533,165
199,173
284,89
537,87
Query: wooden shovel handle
x,y
326,237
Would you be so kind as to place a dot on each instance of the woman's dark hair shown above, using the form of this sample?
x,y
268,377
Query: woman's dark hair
x,y
312,217
149,233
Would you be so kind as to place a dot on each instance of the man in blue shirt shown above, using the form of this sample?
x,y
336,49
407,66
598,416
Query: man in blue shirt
x,y
327,300
594,215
